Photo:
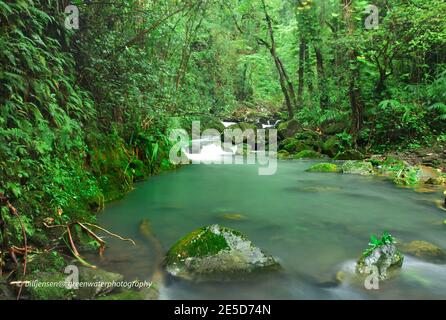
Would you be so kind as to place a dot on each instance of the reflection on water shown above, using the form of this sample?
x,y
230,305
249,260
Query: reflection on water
x,y
315,224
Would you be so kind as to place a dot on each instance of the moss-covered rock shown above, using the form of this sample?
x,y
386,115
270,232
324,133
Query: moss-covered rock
x,y
310,138
363,168
49,286
324,167
331,146
436,181
308,154
292,145
211,123
102,277
385,258
288,129
424,250
125,295
335,127
409,176
349,155
283,155
216,253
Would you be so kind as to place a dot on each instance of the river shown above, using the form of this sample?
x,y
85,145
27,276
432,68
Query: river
x,y
316,224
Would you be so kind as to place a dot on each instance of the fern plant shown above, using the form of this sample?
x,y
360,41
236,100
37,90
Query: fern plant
x,y
375,242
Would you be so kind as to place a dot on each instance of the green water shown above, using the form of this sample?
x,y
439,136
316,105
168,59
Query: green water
x,y
316,224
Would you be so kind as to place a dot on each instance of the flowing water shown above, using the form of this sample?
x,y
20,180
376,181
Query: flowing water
x,y
316,224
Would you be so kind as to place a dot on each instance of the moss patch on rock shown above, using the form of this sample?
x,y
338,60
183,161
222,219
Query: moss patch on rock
x,y
216,253
424,250
363,168
349,155
324,167
308,154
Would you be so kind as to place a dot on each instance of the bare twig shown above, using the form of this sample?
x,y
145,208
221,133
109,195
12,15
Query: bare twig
x,y
13,211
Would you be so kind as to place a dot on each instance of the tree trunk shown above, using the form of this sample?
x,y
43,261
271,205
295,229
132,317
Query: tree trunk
x,y
301,69
285,83
323,99
354,90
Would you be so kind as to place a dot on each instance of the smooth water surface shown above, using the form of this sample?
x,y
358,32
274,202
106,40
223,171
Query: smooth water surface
x,y
315,223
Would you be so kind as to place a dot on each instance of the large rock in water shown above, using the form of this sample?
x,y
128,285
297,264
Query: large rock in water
x,y
363,168
385,258
216,253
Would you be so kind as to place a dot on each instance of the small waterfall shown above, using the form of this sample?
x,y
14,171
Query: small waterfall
x,y
210,150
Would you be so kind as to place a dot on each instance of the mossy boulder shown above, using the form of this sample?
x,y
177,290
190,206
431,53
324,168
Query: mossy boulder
x,y
216,253
334,127
292,145
331,146
49,286
349,155
283,155
424,250
211,123
363,168
386,259
308,154
324,167
103,277
409,176
391,167
436,181
310,138
288,129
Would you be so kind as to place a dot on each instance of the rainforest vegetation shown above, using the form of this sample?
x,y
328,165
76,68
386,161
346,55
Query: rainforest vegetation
x,y
86,110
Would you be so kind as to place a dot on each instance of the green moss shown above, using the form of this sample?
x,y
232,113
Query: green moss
x,y
125,295
292,145
349,155
283,154
331,146
324,167
199,243
409,176
358,167
51,291
46,262
308,154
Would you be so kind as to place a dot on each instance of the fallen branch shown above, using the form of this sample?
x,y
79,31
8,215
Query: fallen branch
x,y
13,211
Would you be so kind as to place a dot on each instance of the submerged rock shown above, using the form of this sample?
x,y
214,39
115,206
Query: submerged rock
x,y
424,250
216,253
233,216
385,258
324,167
363,168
